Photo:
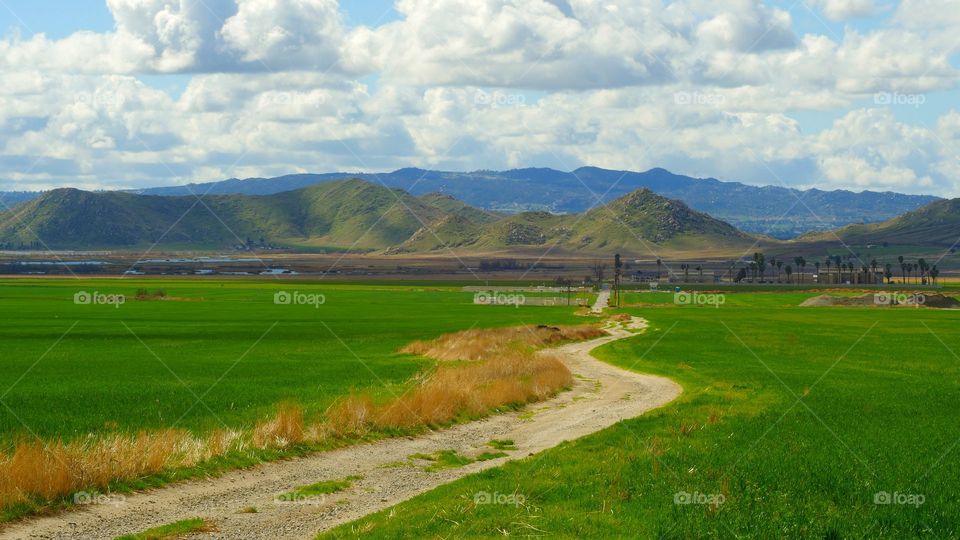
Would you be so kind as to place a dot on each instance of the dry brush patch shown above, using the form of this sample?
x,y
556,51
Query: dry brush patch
x,y
497,368
477,344
501,369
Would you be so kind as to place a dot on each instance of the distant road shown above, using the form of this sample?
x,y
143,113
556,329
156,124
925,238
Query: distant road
x,y
603,300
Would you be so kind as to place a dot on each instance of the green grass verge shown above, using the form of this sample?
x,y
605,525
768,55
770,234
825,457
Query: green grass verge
x,y
794,423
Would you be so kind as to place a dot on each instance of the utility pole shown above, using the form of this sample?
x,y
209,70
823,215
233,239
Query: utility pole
x,y
617,271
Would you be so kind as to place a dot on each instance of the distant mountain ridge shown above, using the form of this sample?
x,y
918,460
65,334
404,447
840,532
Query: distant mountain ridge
x,y
937,224
352,214
769,210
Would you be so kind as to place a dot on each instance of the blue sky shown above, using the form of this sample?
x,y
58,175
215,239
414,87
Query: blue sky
x,y
854,94
29,16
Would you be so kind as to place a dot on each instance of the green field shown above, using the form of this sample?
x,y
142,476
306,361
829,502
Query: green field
x,y
794,423
213,353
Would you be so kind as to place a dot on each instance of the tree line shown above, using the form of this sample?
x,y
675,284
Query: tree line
x,y
833,269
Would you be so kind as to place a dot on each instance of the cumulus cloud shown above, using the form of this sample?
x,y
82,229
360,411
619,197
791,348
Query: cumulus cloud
x,y
280,86
842,10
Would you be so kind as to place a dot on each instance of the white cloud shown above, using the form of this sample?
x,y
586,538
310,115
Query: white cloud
x,y
842,10
274,87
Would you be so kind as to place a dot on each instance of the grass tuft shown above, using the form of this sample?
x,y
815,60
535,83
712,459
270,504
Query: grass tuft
x,y
443,459
171,531
326,487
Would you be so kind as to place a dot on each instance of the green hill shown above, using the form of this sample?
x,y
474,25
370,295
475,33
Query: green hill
x,y
352,214
344,214
450,205
643,217
636,221
937,224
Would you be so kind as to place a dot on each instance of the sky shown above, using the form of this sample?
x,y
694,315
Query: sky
x,y
834,94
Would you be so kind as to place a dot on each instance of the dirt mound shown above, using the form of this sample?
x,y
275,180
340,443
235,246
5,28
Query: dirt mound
x,y
941,301
885,299
826,300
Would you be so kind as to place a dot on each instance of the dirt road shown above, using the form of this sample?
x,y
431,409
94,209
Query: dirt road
x,y
601,396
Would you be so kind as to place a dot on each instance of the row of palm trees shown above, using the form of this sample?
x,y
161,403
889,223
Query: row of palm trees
x,y
920,271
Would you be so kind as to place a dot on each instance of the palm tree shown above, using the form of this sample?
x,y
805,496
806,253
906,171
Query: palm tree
x,y
888,273
700,271
829,263
922,265
873,266
659,264
788,270
817,266
903,269
686,272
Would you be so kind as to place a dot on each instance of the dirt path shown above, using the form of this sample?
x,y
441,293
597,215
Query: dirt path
x,y
601,396
603,300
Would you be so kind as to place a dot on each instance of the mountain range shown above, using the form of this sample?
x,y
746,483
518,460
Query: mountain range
x,y
775,211
357,215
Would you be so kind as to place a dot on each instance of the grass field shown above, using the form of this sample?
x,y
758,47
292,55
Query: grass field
x,y
209,357
794,422
69,370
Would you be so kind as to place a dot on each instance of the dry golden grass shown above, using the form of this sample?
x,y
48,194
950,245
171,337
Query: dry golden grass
x,y
286,428
56,469
479,344
503,369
